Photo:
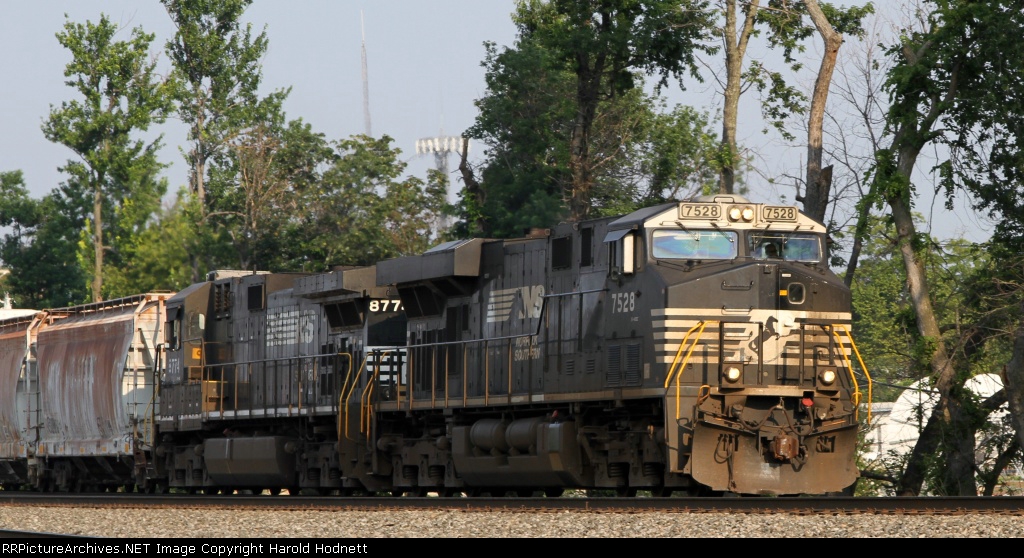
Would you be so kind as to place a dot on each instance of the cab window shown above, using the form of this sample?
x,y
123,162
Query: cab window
x,y
793,247
694,245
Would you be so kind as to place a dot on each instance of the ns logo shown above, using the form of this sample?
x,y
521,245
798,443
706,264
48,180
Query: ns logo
x,y
526,301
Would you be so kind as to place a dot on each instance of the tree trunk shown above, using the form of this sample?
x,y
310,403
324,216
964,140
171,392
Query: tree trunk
x,y
1013,379
97,243
735,51
474,193
947,416
819,183
588,83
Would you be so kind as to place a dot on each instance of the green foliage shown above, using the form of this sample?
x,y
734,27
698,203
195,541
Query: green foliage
x,y
115,180
590,56
963,70
217,64
884,320
159,256
40,249
567,127
362,211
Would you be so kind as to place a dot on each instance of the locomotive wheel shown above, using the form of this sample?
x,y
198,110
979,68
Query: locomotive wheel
x,y
554,492
625,492
274,491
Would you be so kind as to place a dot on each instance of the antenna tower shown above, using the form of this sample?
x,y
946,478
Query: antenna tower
x,y
366,82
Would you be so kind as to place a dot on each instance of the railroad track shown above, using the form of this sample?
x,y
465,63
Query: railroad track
x,y
930,505
16,534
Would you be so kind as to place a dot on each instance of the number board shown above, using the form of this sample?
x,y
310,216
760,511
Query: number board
x,y
385,305
778,213
700,211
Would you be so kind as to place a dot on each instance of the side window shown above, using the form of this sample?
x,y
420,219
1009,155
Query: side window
x,y
196,325
622,251
255,298
586,246
172,335
629,254
561,253
802,249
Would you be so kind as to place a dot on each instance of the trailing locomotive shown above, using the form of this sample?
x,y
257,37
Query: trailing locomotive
x,y
700,347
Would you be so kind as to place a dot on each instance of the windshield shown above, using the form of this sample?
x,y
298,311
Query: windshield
x,y
694,245
793,247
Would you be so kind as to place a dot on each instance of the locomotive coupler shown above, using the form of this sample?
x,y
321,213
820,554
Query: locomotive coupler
x,y
785,446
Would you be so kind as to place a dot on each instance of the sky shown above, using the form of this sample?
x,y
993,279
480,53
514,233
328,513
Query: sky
x,y
423,76
423,70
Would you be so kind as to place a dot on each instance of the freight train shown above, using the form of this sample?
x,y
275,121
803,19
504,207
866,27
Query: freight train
x,y
694,348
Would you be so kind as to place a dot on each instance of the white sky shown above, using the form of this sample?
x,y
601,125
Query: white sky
x,y
424,73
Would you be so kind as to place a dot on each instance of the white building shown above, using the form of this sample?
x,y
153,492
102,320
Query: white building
x,y
895,427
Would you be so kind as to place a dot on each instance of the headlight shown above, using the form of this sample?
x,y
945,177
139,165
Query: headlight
x,y
737,212
732,374
827,377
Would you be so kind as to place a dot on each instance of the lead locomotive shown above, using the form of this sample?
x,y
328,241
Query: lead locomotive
x,y
700,347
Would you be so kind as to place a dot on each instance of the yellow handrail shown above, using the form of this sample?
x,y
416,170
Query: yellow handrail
x,y
364,399
346,393
863,367
672,369
676,370
367,410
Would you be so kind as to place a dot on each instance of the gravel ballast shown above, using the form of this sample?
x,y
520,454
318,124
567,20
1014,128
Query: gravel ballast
x,y
177,523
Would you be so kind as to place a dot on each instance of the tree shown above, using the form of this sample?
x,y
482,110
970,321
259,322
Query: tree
x,y
787,30
856,127
360,211
217,61
218,64
40,249
639,152
122,96
604,45
524,118
939,85
159,254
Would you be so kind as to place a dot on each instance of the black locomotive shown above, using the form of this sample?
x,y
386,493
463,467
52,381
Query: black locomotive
x,y
699,348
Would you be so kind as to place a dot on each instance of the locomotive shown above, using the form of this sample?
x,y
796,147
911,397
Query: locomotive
x,y
698,348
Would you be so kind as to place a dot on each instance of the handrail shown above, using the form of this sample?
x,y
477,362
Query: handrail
x,y
344,397
672,369
371,382
677,371
863,367
846,359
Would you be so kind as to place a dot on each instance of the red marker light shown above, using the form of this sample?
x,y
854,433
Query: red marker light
x,y
807,402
